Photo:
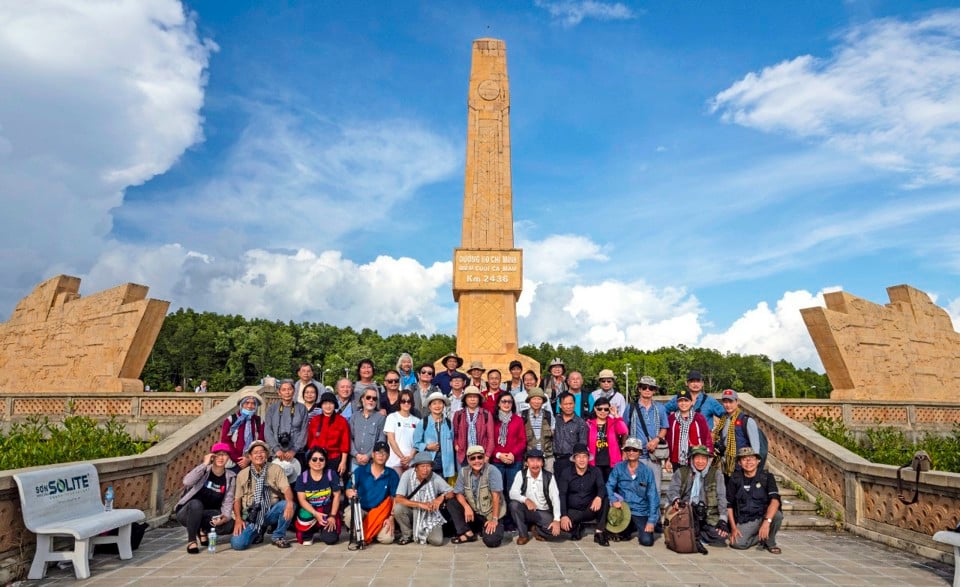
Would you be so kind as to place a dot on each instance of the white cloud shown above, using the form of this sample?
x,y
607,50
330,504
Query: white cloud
x,y
572,12
778,333
96,97
953,309
890,94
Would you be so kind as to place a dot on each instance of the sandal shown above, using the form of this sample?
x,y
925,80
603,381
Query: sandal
x,y
281,543
774,550
463,539
204,541
192,548
404,540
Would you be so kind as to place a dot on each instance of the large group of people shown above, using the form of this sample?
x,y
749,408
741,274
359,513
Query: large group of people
x,y
425,457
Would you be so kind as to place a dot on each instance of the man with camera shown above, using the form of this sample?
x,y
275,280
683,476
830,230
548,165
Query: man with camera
x,y
285,426
701,483
264,498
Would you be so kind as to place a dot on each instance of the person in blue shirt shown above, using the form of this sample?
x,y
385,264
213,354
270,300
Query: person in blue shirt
x,y
647,421
702,403
375,485
442,379
435,437
632,485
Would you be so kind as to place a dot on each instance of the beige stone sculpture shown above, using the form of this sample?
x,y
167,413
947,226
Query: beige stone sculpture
x,y
57,341
487,269
905,350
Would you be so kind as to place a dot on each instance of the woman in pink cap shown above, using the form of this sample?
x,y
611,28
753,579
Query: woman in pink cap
x,y
207,499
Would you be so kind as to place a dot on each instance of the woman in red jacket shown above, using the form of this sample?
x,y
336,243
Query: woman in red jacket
x,y
510,440
331,432
603,436
686,428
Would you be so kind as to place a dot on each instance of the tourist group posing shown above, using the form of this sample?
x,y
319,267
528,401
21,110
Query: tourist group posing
x,y
469,456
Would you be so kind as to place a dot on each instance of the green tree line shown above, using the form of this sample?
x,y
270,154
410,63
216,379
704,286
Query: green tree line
x,y
232,351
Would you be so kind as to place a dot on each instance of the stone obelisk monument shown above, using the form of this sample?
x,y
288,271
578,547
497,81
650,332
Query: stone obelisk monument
x,y
487,269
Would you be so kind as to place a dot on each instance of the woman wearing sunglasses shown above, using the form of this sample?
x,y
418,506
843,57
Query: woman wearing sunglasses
x,y
318,493
603,433
400,430
510,439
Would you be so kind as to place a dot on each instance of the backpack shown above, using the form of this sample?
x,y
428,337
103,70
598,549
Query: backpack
x,y
764,445
680,533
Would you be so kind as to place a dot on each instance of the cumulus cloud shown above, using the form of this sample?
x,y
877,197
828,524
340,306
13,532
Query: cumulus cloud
x,y
953,309
97,97
889,94
778,333
572,12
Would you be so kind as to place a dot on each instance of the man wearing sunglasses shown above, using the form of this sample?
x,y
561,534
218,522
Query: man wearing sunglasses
x,y
607,379
647,421
479,502
422,390
366,429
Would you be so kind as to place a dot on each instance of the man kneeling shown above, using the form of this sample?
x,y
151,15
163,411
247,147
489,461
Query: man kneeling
x,y
754,508
420,495
375,485
701,484
479,502
535,500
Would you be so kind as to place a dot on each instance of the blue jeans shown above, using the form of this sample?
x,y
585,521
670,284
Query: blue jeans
x,y
274,516
640,522
508,472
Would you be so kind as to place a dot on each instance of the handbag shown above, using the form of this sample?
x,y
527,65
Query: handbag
x,y
920,462
662,452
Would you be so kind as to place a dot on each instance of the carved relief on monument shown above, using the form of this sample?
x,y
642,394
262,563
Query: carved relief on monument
x,y
904,350
58,341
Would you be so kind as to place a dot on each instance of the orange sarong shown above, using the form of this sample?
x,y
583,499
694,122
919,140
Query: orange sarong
x,y
373,521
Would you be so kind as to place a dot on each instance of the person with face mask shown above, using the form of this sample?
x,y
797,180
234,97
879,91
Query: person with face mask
x,y
239,430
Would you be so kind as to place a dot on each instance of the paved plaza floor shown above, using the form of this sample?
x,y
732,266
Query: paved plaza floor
x,y
809,558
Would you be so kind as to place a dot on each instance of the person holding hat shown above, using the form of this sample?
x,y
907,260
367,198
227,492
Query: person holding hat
x,y
701,483
366,429
753,507
554,380
583,497
285,427
420,495
538,426
375,485
422,389
472,425
435,437
207,500
318,493
442,380
264,498
458,382
631,485
515,383
240,429
616,399
479,502
331,432
686,428
734,431
702,403
476,372
535,501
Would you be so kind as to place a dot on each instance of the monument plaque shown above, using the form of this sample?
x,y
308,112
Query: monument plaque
x,y
487,269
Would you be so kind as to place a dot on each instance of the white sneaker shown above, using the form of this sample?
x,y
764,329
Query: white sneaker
x,y
307,542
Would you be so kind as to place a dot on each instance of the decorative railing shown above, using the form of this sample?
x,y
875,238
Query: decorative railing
x,y
914,418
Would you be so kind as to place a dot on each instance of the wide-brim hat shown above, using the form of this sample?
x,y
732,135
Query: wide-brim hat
x,y
747,452
474,365
291,468
606,374
535,453
421,458
304,520
647,380
536,392
472,389
579,449
248,395
558,362
443,361
618,519
437,395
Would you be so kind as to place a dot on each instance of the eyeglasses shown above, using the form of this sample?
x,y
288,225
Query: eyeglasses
x,y
631,449
650,387
475,458
506,401
602,409
370,398
318,460
391,381
605,379
426,372
406,401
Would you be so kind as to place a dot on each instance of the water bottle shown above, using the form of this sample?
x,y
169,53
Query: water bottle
x,y
212,537
108,499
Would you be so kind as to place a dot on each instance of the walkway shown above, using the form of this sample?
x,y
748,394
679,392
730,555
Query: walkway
x,y
809,558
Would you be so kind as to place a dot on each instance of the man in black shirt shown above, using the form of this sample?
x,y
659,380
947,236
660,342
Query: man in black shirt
x,y
569,431
583,497
753,509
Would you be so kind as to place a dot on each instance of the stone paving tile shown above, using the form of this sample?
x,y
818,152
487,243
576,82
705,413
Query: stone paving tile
x,y
809,558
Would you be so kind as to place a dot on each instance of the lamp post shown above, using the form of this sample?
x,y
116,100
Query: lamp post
x,y
814,388
346,372
773,382
626,382
323,376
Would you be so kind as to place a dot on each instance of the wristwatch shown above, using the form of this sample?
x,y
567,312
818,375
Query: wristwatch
x,y
768,520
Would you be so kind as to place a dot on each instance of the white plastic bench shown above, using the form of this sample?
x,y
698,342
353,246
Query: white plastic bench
x,y
65,501
952,538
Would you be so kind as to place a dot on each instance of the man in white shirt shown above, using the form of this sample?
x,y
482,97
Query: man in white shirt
x,y
535,499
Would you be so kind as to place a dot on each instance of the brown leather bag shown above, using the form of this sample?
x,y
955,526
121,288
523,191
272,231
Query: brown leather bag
x,y
680,531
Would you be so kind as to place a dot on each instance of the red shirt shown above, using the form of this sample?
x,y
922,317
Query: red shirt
x,y
332,436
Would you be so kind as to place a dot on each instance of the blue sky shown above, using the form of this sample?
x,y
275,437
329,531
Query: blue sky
x,y
682,172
